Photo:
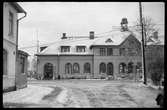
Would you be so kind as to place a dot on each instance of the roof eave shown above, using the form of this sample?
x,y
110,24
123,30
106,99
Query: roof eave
x,y
23,52
17,7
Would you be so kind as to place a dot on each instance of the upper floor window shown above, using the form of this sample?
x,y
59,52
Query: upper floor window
x,y
65,48
122,51
102,52
109,51
80,48
11,23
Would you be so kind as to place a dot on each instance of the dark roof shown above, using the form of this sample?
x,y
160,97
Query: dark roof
x,y
17,7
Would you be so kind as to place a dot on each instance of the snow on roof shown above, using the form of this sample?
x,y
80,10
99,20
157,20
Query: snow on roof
x,y
117,38
114,38
55,48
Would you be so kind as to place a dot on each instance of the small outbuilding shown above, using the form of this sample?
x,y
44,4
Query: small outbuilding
x,y
21,69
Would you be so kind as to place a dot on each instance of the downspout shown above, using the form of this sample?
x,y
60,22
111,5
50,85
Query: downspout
x,y
58,65
93,63
25,14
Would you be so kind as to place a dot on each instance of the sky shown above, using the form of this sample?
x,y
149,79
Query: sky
x,y
48,20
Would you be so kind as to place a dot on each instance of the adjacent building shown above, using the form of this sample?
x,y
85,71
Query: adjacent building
x,y
22,66
10,43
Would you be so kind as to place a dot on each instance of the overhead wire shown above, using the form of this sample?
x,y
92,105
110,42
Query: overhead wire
x,y
33,46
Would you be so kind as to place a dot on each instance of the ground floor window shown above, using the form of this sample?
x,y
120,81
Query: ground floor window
x,y
102,68
87,68
110,69
68,68
4,62
122,68
48,71
76,68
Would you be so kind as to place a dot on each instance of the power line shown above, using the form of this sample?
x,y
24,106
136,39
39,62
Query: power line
x,y
33,46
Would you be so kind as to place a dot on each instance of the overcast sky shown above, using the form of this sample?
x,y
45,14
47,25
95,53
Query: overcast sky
x,y
51,19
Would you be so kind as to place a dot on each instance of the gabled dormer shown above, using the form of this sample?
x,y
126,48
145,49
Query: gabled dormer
x,y
80,48
65,48
108,40
130,46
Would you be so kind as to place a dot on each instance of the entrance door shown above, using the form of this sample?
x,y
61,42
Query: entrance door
x,y
48,71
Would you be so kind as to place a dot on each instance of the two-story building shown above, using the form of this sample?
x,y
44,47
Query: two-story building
x,y
10,43
92,56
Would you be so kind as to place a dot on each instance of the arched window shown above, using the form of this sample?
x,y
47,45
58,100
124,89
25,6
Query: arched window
x,y
48,71
110,69
102,68
87,68
5,62
130,67
68,68
122,68
76,68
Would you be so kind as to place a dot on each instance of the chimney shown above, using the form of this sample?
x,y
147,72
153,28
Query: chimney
x,y
124,24
64,36
91,34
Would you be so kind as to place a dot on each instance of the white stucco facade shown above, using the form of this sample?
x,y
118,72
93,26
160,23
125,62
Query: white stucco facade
x,y
10,43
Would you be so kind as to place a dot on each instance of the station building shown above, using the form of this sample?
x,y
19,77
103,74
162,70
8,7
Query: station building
x,y
115,55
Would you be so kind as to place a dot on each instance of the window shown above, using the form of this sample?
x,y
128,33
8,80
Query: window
x,y
110,69
68,68
102,68
132,52
65,48
102,52
109,52
22,61
122,68
4,62
122,51
80,48
10,23
76,68
48,71
87,68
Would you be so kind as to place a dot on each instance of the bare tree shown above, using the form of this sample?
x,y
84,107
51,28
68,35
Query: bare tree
x,y
149,27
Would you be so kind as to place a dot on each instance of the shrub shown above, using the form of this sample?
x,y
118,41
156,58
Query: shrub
x,y
156,78
156,70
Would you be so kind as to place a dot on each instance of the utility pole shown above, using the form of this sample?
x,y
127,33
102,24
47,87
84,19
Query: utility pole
x,y
143,44
37,42
37,52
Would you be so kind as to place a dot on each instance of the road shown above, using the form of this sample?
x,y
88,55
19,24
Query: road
x,y
103,93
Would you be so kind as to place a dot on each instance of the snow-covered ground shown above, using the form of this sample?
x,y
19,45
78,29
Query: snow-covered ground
x,y
87,93
31,94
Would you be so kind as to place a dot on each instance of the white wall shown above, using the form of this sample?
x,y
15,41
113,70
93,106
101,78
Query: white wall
x,y
9,44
